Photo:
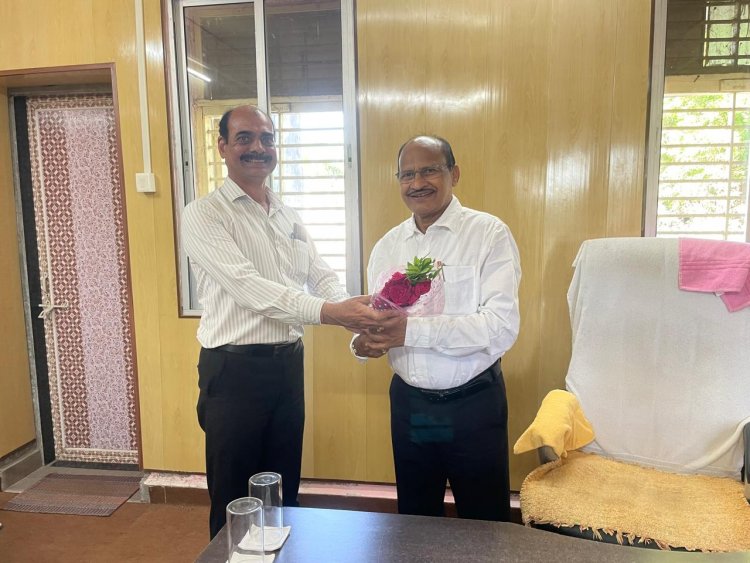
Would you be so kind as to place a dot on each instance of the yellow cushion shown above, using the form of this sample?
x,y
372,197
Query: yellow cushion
x,y
560,424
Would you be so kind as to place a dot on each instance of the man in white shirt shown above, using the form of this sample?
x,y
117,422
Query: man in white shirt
x,y
252,260
449,414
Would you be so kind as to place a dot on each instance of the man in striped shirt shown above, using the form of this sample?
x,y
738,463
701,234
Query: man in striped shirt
x,y
253,260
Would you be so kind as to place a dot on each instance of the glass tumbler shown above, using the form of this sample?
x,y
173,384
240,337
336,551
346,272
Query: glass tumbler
x,y
245,530
267,487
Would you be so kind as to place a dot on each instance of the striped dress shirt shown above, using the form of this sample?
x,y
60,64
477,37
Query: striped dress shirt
x,y
252,269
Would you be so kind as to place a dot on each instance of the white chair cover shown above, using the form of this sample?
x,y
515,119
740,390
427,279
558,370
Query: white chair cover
x,y
662,374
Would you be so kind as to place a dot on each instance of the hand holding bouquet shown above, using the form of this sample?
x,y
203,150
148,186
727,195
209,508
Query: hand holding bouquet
x,y
417,290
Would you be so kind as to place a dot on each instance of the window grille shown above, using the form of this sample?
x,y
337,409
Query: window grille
x,y
703,177
707,36
727,36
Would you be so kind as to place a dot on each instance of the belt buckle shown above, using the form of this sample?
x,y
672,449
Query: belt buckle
x,y
444,395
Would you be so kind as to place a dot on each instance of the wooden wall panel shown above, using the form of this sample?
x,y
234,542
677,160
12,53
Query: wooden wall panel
x,y
544,103
16,406
576,191
514,165
340,396
627,146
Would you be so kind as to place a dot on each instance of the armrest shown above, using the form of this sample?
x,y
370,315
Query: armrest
x,y
746,465
560,425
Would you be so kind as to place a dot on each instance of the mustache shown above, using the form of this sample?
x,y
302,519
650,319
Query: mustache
x,y
419,191
248,156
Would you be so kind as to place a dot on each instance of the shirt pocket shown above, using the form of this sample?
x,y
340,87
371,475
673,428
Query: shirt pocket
x,y
460,283
299,261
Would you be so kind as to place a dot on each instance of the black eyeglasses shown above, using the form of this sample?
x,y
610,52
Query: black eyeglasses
x,y
427,172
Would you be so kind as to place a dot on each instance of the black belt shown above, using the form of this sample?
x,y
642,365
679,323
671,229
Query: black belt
x,y
260,350
474,385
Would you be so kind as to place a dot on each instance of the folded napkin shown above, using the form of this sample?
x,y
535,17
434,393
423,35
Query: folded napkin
x,y
248,558
273,539
716,266
560,424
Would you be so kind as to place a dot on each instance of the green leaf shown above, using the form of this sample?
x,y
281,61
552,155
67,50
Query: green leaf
x,y
422,269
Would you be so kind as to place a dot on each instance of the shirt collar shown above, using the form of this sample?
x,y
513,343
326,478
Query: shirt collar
x,y
234,192
450,219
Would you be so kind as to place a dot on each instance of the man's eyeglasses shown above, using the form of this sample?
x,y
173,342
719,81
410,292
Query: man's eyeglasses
x,y
266,139
428,173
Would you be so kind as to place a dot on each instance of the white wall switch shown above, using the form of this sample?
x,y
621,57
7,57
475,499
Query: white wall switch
x,y
145,182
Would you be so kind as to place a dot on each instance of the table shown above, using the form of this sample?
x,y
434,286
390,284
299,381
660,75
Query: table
x,y
345,536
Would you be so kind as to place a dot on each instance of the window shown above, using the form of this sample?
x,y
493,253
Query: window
x,y
288,58
703,172
699,134
726,34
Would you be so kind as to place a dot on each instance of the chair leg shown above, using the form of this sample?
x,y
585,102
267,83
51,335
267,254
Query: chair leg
x,y
746,464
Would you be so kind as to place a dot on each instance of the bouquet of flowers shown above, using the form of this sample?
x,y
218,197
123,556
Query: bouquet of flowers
x,y
417,290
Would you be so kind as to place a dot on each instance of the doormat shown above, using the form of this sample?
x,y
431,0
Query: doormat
x,y
86,495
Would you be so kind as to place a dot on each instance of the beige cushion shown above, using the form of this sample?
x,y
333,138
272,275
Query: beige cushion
x,y
696,512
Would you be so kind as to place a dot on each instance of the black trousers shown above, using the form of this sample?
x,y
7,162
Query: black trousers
x,y
252,410
462,440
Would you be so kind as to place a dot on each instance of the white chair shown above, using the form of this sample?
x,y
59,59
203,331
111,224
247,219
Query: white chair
x,y
663,376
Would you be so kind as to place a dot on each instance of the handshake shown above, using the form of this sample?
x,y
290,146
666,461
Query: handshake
x,y
378,331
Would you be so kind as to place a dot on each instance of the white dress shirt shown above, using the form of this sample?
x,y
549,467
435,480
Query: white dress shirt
x,y
252,269
481,318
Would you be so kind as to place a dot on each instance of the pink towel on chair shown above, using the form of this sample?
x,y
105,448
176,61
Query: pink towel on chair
x,y
716,266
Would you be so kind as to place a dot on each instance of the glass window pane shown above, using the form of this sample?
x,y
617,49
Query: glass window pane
x,y
221,73
693,172
715,118
720,30
696,136
306,87
697,101
721,48
693,207
311,185
215,56
323,217
314,201
310,153
699,154
703,160
314,137
332,168
726,12
693,189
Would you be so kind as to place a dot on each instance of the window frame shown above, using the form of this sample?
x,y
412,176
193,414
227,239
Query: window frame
x,y
181,133
655,117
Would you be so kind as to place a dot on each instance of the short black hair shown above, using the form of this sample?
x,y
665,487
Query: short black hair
x,y
224,121
224,124
445,147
